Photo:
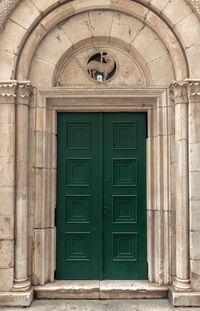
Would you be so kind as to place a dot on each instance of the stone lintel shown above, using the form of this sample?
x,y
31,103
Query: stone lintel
x,y
16,299
184,299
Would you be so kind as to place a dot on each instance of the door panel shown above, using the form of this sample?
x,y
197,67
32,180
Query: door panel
x,y
101,196
124,196
79,195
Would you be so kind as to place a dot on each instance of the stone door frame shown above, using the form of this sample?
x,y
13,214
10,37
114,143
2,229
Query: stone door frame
x,y
42,169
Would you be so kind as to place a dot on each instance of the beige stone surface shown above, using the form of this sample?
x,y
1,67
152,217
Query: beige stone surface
x,y
16,299
6,171
70,27
7,145
194,215
69,290
46,72
43,253
149,45
43,5
161,70
193,60
176,11
25,14
7,114
195,273
59,43
7,201
101,22
130,289
7,62
194,123
125,26
7,254
194,245
194,181
184,299
15,33
6,279
184,26
194,151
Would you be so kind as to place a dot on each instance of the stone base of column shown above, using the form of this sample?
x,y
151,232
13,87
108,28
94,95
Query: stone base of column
x,y
183,299
21,285
16,299
181,285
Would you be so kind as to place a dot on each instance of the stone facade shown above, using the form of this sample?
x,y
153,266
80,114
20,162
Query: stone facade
x,y
44,51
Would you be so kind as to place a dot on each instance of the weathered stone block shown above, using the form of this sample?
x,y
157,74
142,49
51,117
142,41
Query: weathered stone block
x,y
6,279
194,215
70,27
7,254
194,245
7,140
194,181
6,201
6,227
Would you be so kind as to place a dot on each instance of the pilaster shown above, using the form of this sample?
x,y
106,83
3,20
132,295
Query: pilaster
x,y
193,87
7,181
182,280
21,281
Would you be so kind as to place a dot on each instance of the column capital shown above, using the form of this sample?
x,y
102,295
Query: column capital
x,y
179,90
193,89
14,91
24,92
8,91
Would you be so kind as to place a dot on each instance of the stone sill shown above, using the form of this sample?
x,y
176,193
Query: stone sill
x,y
100,290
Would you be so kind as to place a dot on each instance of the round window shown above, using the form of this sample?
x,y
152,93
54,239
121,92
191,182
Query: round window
x,y
101,66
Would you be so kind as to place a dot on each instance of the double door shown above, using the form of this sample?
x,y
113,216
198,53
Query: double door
x,y
101,196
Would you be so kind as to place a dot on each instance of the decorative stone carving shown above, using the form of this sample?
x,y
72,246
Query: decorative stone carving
x,y
179,90
196,5
101,66
193,87
8,91
24,92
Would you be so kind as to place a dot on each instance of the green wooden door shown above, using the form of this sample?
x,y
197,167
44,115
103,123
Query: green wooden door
x,y
101,196
125,196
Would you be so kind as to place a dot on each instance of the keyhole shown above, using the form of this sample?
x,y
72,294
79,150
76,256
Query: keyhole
x,y
108,178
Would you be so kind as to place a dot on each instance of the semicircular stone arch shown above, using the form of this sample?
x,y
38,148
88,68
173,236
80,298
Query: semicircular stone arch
x,y
143,58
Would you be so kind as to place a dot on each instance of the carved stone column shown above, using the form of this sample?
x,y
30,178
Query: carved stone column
x,y
182,281
7,182
193,87
21,281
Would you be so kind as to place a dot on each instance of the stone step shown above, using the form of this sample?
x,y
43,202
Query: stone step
x,y
107,289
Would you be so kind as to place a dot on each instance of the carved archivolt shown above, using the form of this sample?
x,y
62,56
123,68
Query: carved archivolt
x,y
7,6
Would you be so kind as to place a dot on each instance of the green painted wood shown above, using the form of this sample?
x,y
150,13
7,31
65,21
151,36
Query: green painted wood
x,y
101,196
79,196
125,251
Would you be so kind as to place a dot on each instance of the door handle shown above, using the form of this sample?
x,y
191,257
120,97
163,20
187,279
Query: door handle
x,y
106,207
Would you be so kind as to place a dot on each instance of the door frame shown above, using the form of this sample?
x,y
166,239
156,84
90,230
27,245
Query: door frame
x,y
43,128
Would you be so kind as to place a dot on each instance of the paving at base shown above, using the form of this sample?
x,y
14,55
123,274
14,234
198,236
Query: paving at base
x,y
100,305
